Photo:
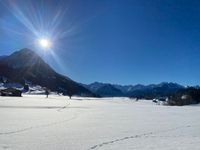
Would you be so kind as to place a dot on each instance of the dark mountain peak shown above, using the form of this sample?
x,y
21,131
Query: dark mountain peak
x,y
169,84
25,52
26,65
95,83
109,90
138,86
23,58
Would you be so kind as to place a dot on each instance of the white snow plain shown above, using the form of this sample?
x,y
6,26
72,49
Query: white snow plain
x,y
34,122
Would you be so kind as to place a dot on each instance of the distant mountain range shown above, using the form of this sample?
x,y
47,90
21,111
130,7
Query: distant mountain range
x,y
104,90
141,91
26,66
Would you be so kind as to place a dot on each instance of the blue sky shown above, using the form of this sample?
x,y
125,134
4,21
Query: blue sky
x,y
115,41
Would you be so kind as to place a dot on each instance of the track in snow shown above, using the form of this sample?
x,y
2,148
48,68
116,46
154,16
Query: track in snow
x,y
134,137
39,126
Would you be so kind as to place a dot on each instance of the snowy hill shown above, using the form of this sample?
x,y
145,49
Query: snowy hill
x,y
27,66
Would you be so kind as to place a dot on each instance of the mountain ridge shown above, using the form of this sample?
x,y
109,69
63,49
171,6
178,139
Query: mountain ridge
x,y
26,65
138,90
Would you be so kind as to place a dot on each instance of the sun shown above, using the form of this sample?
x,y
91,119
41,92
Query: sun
x,y
44,43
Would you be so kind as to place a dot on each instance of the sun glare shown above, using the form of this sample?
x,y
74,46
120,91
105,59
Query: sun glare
x,y
44,43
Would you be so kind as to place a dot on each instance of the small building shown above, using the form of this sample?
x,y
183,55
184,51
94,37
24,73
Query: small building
x,y
11,92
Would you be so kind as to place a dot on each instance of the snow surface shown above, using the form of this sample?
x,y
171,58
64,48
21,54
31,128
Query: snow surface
x,y
34,122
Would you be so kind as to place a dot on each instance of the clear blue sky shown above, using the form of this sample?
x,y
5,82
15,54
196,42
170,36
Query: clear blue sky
x,y
115,41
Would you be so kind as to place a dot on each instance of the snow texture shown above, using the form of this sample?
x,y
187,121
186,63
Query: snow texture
x,y
34,122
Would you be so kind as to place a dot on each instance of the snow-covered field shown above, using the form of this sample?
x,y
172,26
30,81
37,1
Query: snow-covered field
x,y
57,123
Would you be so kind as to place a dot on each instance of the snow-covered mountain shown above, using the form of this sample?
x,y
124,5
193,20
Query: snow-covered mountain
x,y
27,66
152,90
